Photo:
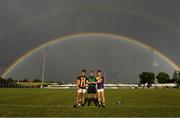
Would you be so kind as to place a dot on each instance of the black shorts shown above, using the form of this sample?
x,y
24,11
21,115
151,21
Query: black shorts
x,y
91,90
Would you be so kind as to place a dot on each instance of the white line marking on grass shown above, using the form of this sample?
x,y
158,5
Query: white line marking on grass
x,y
64,106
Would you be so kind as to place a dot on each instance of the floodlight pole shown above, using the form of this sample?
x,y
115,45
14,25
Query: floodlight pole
x,y
154,66
43,67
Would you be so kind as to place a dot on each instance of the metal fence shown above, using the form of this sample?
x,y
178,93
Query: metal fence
x,y
14,85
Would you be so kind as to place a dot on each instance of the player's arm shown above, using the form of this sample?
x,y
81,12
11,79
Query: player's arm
x,y
88,82
98,81
77,82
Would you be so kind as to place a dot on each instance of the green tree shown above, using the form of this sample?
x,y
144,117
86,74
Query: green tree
x,y
163,78
36,80
176,78
25,80
2,81
178,82
10,80
147,77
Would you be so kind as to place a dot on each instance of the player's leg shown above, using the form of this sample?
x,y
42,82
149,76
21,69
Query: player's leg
x,y
83,96
77,98
103,97
94,96
89,96
80,96
86,97
88,92
94,93
99,96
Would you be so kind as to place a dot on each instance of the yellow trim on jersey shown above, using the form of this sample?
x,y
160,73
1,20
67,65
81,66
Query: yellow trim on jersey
x,y
82,82
98,78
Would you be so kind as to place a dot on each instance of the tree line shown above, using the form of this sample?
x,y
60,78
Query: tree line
x,y
25,83
11,80
11,83
145,78
162,77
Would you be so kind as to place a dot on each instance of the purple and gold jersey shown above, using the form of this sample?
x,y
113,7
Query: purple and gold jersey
x,y
101,84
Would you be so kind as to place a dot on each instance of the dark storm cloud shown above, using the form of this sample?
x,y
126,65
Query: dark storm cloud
x,y
25,24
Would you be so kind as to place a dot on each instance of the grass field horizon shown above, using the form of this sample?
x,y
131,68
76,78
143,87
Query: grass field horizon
x,y
59,102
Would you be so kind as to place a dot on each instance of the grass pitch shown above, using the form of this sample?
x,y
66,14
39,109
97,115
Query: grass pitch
x,y
46,102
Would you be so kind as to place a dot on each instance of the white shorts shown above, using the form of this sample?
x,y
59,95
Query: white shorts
x,y
100,90
82,90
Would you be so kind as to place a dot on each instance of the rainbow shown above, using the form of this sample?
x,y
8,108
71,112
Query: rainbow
x,y
120,37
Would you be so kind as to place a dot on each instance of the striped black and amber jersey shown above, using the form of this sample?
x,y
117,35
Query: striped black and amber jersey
x,y
82,81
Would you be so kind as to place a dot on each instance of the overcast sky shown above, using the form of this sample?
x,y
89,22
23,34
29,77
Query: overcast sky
x,y
26,24
120,60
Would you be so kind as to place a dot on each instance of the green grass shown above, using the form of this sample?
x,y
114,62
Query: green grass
x,y
46,102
